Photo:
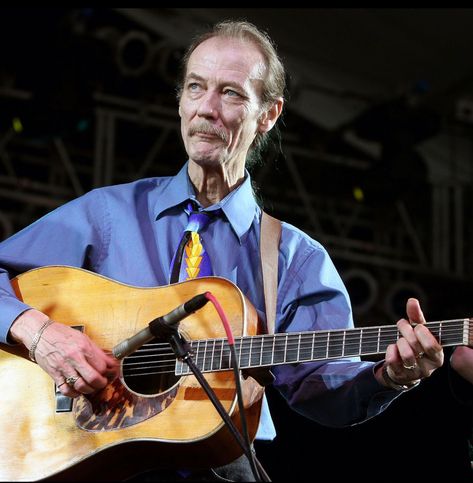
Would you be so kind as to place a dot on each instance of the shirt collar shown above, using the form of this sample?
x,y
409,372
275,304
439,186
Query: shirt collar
x,y
239,206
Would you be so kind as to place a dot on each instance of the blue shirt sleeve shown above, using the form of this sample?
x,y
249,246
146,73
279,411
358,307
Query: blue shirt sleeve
x,y
73,234
313,297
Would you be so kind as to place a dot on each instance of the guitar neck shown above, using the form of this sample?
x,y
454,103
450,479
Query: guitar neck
x,y
212,355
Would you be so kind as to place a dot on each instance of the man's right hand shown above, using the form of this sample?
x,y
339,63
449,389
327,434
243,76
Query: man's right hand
x,y
64,352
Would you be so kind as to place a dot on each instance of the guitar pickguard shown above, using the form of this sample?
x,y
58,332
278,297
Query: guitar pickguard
x,y
115,407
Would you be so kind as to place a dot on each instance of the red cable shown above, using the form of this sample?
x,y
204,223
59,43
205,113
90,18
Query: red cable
x,y
223,317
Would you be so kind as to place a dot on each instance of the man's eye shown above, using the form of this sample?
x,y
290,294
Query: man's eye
x,y
231,93
193,86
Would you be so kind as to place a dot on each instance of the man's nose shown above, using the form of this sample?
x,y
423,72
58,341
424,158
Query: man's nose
x,y
209,105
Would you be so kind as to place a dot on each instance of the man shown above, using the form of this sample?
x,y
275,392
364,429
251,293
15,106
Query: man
x,y
230,98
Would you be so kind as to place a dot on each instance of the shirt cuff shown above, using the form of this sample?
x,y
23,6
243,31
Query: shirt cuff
x,y
12,308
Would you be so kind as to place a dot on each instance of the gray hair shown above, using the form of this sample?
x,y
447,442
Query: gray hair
x,y
274,84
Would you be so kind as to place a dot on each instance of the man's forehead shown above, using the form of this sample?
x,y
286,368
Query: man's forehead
x,y
228,54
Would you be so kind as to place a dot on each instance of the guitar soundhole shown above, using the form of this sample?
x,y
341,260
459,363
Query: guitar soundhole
x,y
150,370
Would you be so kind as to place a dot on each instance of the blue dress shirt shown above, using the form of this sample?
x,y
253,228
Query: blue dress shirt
x,y
129,232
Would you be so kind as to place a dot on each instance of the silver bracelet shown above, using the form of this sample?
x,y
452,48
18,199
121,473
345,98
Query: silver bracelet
x,y
36,338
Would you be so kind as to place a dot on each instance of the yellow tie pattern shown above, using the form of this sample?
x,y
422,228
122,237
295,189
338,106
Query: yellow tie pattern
x,y
191,259
193,256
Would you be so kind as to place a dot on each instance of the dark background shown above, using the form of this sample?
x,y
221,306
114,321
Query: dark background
x,y
374,159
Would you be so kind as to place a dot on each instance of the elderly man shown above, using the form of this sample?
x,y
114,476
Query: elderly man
x,y
231,96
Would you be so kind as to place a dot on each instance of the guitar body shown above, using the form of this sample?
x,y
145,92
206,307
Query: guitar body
x,y
121,430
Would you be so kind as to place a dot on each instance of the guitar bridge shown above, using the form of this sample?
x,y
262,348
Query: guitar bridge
x,y
64,403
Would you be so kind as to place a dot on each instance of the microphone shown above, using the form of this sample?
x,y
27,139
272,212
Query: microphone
x,y
160,326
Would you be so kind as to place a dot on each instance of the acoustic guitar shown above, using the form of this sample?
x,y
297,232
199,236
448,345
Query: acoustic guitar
x,y
155,415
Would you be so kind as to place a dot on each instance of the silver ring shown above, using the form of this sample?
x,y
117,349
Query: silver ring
x,y
71,380
409,368
420,355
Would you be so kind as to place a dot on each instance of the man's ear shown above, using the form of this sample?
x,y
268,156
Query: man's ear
x,y
268,119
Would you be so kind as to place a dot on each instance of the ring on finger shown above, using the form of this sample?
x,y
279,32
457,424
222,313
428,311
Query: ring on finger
x,y
71,380
409,368
420,355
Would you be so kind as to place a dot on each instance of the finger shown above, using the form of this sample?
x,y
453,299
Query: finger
x,y
92,365
82,386
407,353
431,348
90,376
113,369
66,388
111,366
392,356
409,335
414,312
68,391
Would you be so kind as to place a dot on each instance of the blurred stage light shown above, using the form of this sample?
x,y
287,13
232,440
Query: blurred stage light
x,y
17,125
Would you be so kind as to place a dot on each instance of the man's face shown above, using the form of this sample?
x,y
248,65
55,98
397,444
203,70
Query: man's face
x,y
220,102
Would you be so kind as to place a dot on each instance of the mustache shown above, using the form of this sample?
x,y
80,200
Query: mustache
x,y
205,127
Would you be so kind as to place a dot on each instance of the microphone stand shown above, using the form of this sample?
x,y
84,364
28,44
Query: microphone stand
x,y
182,350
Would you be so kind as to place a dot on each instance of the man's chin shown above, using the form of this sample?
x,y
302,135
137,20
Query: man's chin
x,y
207,159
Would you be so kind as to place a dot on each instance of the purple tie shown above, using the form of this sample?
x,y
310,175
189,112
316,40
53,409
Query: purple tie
x,y
191,260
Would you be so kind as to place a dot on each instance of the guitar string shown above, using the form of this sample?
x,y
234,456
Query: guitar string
x,y
351,336
302,340
304,344
294,335
299,345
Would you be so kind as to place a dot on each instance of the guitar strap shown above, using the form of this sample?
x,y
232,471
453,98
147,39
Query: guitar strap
x,y
270,235
269,252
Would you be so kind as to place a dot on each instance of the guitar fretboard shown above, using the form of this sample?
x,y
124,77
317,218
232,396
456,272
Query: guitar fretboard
x,y
212,355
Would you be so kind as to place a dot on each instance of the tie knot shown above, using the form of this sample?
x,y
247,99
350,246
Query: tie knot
x,y
199,219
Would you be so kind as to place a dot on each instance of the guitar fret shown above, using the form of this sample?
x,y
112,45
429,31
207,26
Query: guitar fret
x,y
282,348
291,351
335,347
213,354
205,361
267,353
221,355
250,352
240,362
306,348
352,340
256,355
261,352
228,357
247,353
320,342
197,352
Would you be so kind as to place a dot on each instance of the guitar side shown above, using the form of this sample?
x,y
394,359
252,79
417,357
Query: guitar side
x,y
37,442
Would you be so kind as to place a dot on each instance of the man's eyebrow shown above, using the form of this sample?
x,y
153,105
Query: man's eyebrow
x,y
229,83
193,75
